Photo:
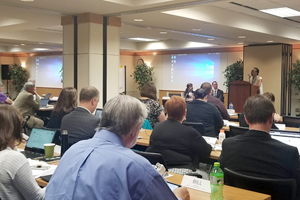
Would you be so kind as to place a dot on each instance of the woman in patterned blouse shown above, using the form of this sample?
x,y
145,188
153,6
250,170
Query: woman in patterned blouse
x,y
148,97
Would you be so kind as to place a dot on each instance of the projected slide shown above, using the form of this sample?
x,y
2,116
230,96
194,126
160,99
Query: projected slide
x,y
180,69
47,71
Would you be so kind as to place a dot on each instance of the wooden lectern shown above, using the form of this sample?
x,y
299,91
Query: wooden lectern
x,y
239,92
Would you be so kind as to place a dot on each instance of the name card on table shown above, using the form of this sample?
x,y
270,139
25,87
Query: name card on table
x,y
196,183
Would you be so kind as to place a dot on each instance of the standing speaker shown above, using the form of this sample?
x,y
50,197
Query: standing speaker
x,y
5,72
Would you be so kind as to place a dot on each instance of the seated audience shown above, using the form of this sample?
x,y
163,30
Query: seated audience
x,y
148,97
81,124
3,97
66,103
201,111
217,92
214,100
16,180
270,96
36,94
189,93
26,104
104,167
180,145
255,153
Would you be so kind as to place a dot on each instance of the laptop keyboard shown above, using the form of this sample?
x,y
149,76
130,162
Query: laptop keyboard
x,y
32,155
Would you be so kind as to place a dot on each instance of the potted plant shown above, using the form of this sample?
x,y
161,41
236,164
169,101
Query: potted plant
x,y
294,76
234,72
18,75
142,73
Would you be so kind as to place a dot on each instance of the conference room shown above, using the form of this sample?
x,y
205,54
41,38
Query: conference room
x,y
63,44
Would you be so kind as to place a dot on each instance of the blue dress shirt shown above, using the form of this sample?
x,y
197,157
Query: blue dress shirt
x,y
103,168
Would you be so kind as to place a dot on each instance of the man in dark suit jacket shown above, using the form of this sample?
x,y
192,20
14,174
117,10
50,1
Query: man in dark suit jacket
x,y
81,124
217,92
255,153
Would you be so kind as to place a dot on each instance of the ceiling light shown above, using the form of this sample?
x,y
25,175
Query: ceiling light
x,y
240,43
270,41
242,36
163,32
154,53
22,44
143,39
210,39
196,29
282,12
41,49
138,20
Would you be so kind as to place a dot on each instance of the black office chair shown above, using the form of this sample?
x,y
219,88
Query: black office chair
x,y
234,130
290,121
279,189
24,124
153,158
196,125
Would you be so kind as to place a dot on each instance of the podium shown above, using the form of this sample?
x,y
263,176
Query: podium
x,y
239,92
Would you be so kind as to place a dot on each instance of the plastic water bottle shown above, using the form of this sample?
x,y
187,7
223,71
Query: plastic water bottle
x,y
222,136
216,182
167,94
230,106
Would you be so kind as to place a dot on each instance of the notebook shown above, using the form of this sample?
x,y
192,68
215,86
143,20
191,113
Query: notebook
x,y
35,144
44,103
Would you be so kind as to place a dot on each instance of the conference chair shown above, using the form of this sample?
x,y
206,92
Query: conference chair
x,y
196,125
24,124
153,157
234,130
279,189
290,121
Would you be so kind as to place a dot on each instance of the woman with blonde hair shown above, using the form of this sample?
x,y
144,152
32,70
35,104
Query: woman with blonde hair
x,y
16,182
66,103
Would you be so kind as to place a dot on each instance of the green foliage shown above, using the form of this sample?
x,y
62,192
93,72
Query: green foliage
x,y
234,72
18,75
142,74
294,77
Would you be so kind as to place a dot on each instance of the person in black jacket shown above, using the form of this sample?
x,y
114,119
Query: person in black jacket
x,y
179,144
201,111
66,103
255,153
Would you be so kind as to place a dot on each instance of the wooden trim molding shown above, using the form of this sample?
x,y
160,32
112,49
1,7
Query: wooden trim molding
x,y
114,21
66,20
89,18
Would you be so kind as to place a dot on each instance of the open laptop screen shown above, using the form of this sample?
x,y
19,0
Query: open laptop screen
x,y
289,138
39,137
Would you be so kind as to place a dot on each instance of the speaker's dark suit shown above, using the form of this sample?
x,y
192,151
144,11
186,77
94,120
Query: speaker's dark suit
x,y
257,154
80,125
220,95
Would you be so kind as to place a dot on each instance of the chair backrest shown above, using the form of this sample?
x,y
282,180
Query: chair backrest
x,y
235,130
196,125
291,121
153,158
279,189
147,125
175,94
64,142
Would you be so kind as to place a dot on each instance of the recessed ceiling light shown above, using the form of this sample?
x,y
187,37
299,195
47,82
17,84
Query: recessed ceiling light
x,y
242,36
22,44
270,41
240,43
282,12
196,29
138,20
143,39
163,32
210,39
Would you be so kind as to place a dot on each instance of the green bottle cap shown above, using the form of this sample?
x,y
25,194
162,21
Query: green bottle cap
x,y
216,164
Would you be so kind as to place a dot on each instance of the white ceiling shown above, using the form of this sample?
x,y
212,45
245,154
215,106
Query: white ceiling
x,y
37,24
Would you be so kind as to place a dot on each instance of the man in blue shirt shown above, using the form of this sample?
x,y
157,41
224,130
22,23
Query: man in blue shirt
x,y
104,167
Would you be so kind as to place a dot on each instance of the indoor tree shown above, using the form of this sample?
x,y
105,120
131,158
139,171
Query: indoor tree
x,y
142,73
234,72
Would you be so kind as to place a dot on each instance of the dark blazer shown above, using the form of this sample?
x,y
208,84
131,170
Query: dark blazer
x,y
179,144
220,95
80,125
257,154
243,123
55,119
206,113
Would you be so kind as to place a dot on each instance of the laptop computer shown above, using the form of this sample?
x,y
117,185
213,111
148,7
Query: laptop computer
x,y
98,112
35,144
44,103
47,96
288,137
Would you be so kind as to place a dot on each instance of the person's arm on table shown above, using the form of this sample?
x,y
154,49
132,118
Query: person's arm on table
x,y
198,145
8,101
218,119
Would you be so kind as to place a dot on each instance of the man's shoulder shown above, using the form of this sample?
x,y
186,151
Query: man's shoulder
x,y
214,100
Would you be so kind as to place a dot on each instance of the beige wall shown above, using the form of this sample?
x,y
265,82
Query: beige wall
x,y
268,60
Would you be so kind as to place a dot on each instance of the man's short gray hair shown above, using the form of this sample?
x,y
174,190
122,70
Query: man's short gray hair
x,y
31,80
28,85
121,114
